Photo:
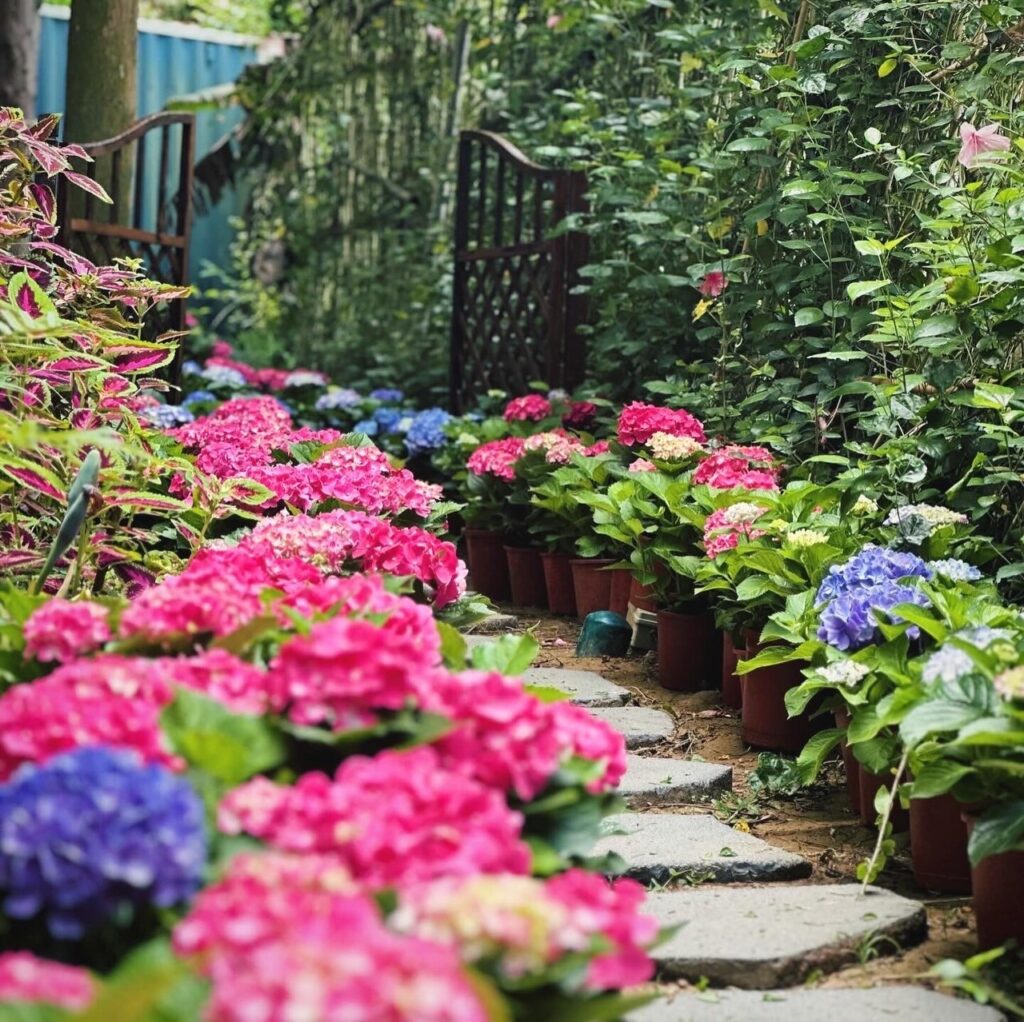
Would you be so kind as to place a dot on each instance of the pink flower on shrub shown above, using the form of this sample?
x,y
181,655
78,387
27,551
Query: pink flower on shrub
x,y
601,447
497,458
221,349
286,937
26,978
531,408
345,671
725,527
61,630
638,422
508,738
748,468
525,925
581,415
557,445
713,284
392,819
976,142
642,465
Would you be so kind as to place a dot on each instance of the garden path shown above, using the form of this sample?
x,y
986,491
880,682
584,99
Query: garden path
x,y
755,921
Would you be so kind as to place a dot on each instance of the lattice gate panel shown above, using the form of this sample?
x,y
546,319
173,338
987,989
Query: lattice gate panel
x,y
514,317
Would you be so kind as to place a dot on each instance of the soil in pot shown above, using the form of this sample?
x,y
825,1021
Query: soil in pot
x,y
938,845
526,577
998,891
732,691
592,583
621,587
766,723
687,647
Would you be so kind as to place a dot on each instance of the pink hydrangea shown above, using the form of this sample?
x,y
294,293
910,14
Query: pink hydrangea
x,y
26,978
724,528
557,445
117,700
581,415
601,447
497,458
105,701
61,630
282,938
748,468
642,465
393,819
218,593
346,670
523,926
531,408
638,422
506,737
611,910
337,541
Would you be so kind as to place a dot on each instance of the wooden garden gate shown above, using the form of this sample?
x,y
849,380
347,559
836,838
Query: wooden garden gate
x,y
151,216
514,316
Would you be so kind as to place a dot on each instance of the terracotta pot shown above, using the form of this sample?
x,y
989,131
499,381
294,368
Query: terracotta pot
x,y
621,586
938,845
686,648
558,581
526,577
593,585
732,691
869,784
488,566
642,597
766,724
850,764
998,889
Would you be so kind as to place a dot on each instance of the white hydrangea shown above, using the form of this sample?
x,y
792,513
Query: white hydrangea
x,y
742,513
864,506
934,515
845,673
666,447
806,537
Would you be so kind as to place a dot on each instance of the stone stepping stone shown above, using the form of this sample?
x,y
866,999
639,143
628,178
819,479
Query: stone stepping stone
x,y
763,937
652,779
641,726
666,846
584,687
898,1003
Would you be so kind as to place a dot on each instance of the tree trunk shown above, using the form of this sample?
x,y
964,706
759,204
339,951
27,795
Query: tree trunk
x,y
19,55
101,90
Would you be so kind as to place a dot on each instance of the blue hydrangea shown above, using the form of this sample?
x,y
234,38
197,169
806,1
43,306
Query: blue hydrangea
x,y
947,664
387,394
337,397
955,570
190,367
387,419
198,396
223,376
94,832
871,566
305,378
426,433
850,621
368,426
167,416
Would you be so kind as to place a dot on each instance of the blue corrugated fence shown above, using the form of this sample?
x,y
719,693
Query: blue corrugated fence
x,y
173,60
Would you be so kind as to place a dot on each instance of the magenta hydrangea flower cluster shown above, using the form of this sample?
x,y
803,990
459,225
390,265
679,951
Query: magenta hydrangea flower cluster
x,y
638,422
733,467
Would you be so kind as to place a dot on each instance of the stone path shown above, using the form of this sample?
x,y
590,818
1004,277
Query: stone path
x,y
898,1003
741,925
763,937
666,846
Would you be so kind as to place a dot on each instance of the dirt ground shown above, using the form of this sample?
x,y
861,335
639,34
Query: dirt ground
x,y
817,823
